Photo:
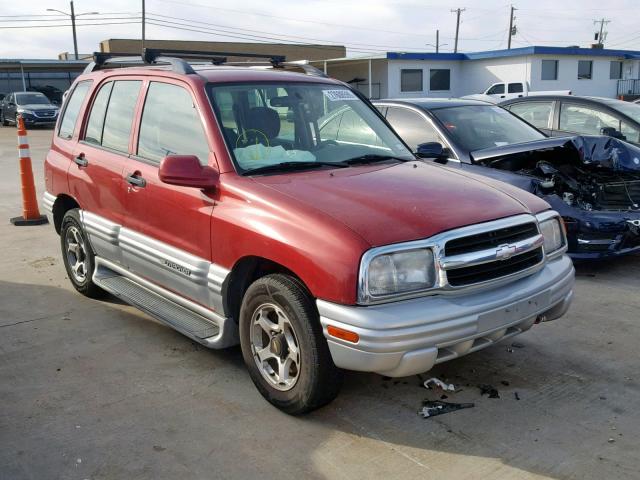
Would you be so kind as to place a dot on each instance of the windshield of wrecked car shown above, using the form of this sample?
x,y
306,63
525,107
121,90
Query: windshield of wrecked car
x,y
476,127
269,124
31,99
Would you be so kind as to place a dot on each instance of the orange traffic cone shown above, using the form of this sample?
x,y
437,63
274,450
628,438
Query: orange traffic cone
x,y
30,213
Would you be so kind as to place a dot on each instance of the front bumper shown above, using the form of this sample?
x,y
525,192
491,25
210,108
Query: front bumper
x,y
408,337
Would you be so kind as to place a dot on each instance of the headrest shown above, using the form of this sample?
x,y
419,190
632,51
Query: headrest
x,y
264,119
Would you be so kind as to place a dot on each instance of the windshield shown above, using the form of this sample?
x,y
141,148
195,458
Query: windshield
x,y
631,110
270,124
476,127
31,99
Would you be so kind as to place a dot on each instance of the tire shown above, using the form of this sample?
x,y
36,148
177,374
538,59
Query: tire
x,y
16,120
79,261
3,120
282,301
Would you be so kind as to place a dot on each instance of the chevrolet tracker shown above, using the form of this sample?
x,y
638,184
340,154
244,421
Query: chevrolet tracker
x,y
215,198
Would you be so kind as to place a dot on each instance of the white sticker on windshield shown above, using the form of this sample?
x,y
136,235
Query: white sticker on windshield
x,y
339,95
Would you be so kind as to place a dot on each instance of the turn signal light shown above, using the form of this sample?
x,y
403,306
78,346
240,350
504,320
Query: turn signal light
x,y
343,334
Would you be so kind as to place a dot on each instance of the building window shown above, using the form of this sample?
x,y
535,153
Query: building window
x,y
615,70
549,70
439,79
585,68
411,80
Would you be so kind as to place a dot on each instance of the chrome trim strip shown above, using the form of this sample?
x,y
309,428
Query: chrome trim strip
x,y
437,244
100,227
47,202
182,267
165,256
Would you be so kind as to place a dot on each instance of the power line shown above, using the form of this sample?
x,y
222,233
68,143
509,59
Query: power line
x,y
67,25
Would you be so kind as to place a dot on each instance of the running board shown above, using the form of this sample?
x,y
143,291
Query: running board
x,y
196,322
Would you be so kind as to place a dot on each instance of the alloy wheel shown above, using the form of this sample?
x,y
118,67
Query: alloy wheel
x,y
76,252
275,347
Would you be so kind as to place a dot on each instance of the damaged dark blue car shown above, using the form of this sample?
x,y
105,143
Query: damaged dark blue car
x,y
592,181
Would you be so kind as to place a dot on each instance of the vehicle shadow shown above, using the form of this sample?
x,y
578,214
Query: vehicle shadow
x,y
98,389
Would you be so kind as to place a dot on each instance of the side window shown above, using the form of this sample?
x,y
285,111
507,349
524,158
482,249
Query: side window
x,y
72,109
536,113
496,89
411,127
119,117
549,70
96,117
515,88
171,125
585,69
329,125
586,120
411,80
631,133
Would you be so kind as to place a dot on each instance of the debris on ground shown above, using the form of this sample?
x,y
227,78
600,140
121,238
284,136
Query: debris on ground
x,y
489,390
433,408
515,394
517,345
505,383
434,383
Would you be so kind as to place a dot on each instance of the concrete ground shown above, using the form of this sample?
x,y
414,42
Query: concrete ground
x,y
96,389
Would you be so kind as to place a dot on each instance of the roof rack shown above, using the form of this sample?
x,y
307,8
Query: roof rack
x,y
176,59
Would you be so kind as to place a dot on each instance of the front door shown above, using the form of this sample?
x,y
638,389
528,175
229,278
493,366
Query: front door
x,y
167,234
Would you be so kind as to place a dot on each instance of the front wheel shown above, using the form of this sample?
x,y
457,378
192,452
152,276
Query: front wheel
x,y
283,346
3,120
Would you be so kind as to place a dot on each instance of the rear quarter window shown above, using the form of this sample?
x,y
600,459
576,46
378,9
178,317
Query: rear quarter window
x,y
119,118
72,109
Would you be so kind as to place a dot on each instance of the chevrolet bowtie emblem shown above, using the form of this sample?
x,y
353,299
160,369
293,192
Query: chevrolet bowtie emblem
x,y
506,251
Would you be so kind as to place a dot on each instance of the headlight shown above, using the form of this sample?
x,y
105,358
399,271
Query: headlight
x,y
553,234
24,110
398,273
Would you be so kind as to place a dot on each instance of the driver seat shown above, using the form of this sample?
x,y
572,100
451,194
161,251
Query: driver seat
x,y
264,120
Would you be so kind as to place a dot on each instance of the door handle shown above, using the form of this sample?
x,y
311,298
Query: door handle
x,y
136,179
81,161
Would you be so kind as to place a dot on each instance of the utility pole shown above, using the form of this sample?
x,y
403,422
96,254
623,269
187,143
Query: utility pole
x,y
73,24
437,41
143,17
512,27
457,11
602,35
73,27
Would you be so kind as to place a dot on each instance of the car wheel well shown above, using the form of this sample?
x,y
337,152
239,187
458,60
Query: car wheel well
x,y
62,205
246,271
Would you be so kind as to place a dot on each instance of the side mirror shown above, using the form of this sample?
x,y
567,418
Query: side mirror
x,y
186,171
612,132
433,150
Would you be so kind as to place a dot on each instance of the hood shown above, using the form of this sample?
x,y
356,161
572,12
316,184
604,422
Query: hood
x,y
599,152
402,202
38,106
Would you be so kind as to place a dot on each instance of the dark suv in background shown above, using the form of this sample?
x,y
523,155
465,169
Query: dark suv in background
x,y
35,108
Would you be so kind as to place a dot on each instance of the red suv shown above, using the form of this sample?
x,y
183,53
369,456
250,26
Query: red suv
x,y
227,202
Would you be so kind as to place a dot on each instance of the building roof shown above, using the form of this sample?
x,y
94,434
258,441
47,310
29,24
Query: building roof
x,y
516,52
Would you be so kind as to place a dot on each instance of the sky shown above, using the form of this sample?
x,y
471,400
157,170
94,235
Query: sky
x,y
365,26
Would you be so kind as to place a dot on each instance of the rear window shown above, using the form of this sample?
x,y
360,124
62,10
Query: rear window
x,y
119,117
72,109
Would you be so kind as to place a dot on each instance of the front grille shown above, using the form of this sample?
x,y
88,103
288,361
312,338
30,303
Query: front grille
x,y
621,195
460,277
491,239
45,113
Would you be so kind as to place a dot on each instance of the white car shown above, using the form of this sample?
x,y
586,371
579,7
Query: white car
x,y
501,91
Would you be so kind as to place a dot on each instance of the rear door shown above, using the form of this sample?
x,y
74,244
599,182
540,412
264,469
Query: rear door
x,y
167,236
95,177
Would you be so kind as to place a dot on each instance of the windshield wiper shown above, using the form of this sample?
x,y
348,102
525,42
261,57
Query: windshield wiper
x,y
291,166
372,158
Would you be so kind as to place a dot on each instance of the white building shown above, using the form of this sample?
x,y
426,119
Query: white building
x,y
584,71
